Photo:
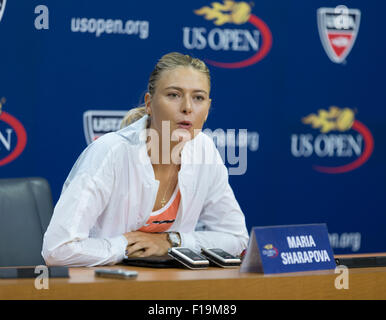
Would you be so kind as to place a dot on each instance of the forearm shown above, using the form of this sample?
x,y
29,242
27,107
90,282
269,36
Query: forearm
x,y
85,253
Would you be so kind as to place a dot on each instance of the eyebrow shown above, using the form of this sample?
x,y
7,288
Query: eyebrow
x,y
180,89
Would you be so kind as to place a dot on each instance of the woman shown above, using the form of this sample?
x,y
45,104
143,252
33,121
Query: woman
x,y
145,188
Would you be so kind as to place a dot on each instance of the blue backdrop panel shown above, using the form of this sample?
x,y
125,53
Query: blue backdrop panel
x,y
309,91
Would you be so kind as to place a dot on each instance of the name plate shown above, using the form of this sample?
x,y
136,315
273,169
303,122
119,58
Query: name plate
x,y
294,248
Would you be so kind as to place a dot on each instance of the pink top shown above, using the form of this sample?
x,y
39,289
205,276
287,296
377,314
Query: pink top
x,y
162,219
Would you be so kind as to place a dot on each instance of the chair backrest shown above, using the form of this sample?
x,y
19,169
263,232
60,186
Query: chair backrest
x,y
25,211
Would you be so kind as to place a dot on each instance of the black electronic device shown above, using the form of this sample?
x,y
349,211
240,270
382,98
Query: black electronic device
x,y
362,262
164,261
188,258
116,273
221,257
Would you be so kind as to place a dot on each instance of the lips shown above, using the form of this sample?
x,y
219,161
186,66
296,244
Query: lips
x,y
184,124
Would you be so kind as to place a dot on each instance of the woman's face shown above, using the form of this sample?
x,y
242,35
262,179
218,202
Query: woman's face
x,y
182,98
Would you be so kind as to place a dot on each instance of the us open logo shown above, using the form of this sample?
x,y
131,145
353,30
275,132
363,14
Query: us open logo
x,y
246,44
2,8
13,137
98,122
338,29
270,251
343,142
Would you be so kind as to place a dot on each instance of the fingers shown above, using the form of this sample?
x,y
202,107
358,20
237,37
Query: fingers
x,y
134,248
140,244
144,253
137,254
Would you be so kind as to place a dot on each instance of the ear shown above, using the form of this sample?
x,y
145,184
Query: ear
x,y
148,103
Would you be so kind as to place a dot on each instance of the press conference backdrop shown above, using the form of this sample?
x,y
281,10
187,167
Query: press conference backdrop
x,y
298,90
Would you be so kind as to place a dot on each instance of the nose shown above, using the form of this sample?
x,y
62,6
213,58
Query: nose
x,y
186,105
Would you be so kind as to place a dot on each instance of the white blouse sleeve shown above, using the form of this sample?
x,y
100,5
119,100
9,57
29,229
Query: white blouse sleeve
x,y
221,216
84,197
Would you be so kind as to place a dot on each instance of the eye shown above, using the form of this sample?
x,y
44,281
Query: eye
x,y
199,98
173,95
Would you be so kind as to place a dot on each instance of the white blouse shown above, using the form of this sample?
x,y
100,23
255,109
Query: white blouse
x,y
111,190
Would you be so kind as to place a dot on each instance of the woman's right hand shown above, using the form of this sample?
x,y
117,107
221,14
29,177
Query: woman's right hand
x,y
144,244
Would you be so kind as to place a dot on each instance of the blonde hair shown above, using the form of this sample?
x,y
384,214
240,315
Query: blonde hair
x,y
132,115
169,61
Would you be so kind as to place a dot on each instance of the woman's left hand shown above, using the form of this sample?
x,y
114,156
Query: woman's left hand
x,y
144,244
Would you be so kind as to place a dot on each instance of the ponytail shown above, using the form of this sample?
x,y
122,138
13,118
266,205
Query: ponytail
x,y
132,116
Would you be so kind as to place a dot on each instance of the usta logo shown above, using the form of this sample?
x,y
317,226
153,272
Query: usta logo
x,y
99,122
338,29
